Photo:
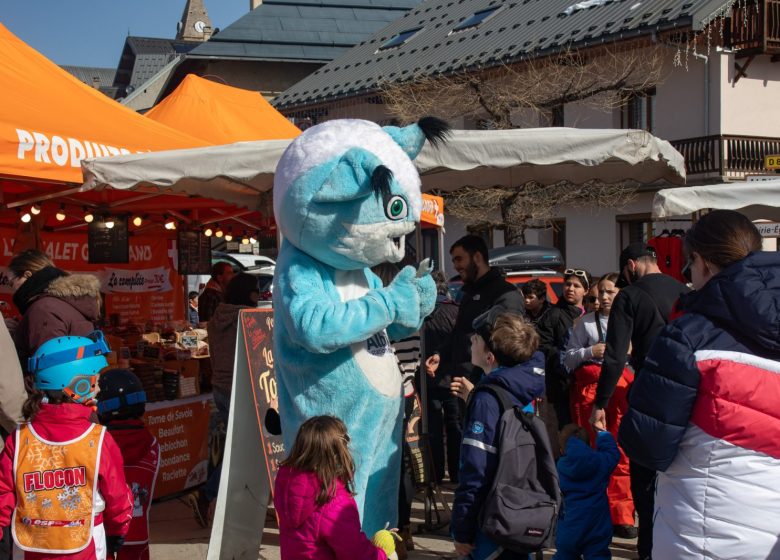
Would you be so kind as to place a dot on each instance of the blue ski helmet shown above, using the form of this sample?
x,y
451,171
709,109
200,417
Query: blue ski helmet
x,y
70,364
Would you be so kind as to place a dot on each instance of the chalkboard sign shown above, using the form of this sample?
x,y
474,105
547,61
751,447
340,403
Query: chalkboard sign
x,y
108,245
194,253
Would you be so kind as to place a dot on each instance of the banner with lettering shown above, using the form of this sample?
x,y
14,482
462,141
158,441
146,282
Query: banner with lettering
x,y
148,288
180,428
253,449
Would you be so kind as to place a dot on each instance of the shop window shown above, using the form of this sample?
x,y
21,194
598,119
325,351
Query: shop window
x,y
557,116
638,111
634,227
559,236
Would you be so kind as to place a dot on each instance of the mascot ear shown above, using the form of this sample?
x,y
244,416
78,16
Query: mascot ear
x,y
352,177
412,138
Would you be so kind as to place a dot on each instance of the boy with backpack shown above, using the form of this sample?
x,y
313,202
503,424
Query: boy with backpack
x,y
505,346
585,526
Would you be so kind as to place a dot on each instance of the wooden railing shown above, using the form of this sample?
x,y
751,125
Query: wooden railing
x,y
754,27
730,157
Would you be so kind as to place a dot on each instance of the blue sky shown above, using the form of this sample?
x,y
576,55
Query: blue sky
x,y
92,32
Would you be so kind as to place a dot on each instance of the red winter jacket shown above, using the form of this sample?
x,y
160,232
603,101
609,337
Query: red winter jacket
x,y
60,423
309,531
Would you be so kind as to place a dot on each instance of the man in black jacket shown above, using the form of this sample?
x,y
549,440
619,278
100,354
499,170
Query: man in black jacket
x,y
638,314
483,287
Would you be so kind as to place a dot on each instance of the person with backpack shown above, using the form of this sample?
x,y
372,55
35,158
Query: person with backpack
x,y
505,346
585,525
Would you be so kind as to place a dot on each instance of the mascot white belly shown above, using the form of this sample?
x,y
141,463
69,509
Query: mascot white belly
x,y
345,194
374,356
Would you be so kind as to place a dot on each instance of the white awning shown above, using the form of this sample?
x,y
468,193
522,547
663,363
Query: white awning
x,y
236,173
757,200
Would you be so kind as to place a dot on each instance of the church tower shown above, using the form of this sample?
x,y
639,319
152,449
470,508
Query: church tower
x,y
195,24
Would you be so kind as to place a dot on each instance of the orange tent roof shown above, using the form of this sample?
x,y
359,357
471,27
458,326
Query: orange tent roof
x,y
221,114
49,120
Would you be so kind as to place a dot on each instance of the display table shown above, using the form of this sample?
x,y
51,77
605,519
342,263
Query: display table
x,y
182,429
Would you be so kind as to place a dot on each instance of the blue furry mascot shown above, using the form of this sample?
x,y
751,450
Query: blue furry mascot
x,y
345,194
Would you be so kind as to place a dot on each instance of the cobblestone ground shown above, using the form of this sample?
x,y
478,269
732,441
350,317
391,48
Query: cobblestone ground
x,y
176,536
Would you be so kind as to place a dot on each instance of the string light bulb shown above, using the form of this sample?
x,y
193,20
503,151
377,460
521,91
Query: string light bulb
x,y
88,217
208,232
245,241
219,232
26,217
253,240
60,215
137,221
228,237
170,225
35,209
109,223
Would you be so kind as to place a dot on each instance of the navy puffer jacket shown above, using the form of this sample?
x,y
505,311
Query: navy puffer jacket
x,y
704,411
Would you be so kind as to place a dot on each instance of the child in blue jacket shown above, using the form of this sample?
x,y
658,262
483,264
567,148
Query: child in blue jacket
x,y
505,347
585,525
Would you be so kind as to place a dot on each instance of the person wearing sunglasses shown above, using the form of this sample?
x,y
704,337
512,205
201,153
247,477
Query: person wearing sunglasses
x,y
703,409
553,330
591,301
638,314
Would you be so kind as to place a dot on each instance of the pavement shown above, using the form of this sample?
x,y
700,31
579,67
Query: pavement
x,y
176,536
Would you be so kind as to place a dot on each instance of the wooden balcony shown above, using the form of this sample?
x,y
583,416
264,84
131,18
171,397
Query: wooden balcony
x,y
754,28
726,157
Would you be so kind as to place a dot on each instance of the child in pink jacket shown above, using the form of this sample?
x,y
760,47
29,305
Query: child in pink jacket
x,y
318,516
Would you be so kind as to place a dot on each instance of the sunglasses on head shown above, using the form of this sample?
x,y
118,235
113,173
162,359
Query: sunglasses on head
x,y
579,274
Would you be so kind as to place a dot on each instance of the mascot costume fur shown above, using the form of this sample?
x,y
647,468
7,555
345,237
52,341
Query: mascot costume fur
x,y
345,194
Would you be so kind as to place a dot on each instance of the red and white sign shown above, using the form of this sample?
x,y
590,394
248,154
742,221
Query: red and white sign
x,y
145,289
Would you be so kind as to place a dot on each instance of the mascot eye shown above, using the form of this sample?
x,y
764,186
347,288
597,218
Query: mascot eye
x,y
396,208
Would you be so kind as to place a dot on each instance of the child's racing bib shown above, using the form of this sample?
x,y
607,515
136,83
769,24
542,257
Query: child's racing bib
x,y
55,485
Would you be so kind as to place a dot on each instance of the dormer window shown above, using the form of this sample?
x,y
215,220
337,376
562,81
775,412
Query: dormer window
x,y
476,19
400,39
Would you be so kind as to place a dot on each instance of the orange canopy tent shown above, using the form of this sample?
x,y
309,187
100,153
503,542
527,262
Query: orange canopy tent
x,y
49,120
221,114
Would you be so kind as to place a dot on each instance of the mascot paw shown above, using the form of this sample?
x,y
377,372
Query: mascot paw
x,y
405,297
426,291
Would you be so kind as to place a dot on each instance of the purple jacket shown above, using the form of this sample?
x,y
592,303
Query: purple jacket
x,y
309,531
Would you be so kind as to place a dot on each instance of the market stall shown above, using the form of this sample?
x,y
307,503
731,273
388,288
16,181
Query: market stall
x,y
138,244
239,172
755,199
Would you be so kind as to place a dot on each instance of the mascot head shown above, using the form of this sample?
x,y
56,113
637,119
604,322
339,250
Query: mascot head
x,y
346,191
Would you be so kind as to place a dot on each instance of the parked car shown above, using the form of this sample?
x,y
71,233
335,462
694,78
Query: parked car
x,y
265,274
522,263
249,260
553,280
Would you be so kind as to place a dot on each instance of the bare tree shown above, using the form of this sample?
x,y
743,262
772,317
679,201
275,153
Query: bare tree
x,y
604,78
531,205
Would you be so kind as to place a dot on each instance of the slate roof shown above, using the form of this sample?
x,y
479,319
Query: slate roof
x,y
518,29
143,57
302,30
90,74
